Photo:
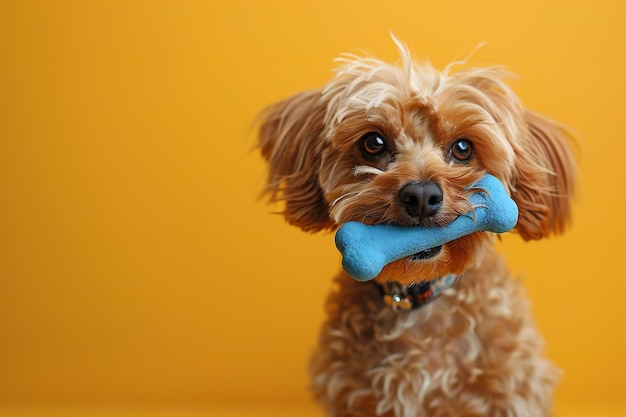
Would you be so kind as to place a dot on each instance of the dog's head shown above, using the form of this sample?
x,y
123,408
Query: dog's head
x,y
399,144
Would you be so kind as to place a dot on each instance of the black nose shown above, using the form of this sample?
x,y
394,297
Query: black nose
x,y
421,199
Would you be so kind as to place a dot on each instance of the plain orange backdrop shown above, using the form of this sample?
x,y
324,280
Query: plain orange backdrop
x,y
137,265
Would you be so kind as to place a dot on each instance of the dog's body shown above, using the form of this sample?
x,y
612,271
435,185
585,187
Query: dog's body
x,y
388,144
472,352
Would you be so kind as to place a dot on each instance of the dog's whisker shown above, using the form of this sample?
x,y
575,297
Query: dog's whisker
x,y
366,169
343,197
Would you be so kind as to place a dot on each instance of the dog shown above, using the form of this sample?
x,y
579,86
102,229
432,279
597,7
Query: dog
x,y
446,331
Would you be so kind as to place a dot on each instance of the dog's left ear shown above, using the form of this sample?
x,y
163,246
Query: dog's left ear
x,y
544,177
291,139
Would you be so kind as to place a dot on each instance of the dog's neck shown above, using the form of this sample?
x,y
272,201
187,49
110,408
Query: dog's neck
x,y
414,296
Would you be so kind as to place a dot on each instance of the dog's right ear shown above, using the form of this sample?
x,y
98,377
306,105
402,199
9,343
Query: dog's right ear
x,y
291,141
545,171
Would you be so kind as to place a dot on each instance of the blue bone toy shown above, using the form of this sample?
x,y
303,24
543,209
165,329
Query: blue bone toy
x,y
366,249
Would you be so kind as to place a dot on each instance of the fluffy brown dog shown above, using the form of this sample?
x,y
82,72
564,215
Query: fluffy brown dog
x,y
398,144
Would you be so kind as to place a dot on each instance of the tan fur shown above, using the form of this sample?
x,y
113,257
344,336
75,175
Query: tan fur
x,y
474,351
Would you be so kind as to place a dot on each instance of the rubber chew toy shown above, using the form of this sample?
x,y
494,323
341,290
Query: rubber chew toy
x,y
366,249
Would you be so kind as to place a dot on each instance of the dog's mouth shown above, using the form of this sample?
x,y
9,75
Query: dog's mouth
x,y
426,254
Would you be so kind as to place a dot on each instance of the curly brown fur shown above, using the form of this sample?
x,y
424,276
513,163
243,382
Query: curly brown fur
x,y
345,153
472,352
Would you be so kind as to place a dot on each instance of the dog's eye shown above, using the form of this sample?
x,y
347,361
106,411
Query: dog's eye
x,y
373,144
462,151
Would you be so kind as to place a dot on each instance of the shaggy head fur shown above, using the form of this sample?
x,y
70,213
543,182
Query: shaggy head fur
x,y
382,143
318,145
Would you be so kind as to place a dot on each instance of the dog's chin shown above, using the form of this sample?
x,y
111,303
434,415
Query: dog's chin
x,y
423,266
454,257
427,254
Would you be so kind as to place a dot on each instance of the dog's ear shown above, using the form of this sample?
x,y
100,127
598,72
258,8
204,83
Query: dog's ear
x,y
291,141
543,184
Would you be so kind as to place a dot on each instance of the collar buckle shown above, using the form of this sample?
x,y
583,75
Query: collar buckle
x,y
398,301
405,298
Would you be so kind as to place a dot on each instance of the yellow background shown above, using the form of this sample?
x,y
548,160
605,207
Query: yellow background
x,y
139,269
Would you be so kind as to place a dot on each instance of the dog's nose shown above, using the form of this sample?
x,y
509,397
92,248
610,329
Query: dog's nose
x,y
421,199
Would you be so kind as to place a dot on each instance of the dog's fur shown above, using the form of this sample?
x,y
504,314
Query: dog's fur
x,y
473,351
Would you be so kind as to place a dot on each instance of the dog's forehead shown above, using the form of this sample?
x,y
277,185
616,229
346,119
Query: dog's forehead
x,y
418,143
366,86
413,124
